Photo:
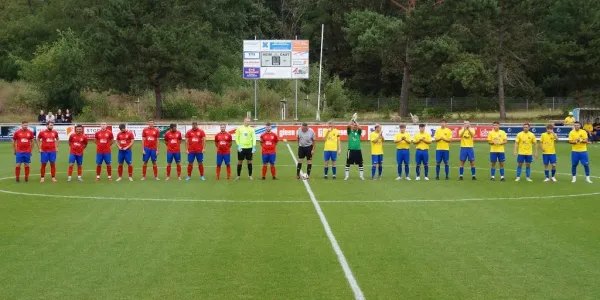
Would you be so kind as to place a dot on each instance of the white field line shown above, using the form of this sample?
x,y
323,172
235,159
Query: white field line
x,y
464,200
358,294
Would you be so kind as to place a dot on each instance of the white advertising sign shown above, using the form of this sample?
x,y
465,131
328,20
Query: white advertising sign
x,y
278,59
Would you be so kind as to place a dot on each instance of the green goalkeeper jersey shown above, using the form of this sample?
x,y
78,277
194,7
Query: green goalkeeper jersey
x,y
354,138
244,137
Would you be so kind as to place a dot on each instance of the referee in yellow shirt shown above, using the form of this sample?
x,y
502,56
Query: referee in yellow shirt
x,y
377,151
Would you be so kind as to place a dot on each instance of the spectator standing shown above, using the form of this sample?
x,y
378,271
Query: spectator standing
x,y
50,117
42,117
68,117
59,114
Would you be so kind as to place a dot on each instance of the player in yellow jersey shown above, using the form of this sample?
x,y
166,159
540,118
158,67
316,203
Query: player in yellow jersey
x,y
442,137
467,139
570,120
333,148
422,140
578,139
402,141
377,151
547,141
524,151
497,139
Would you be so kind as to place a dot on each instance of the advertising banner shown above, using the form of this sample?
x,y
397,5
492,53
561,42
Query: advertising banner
x,y
64,131
7,132
389,131
481,132
289,132
90,130
561,131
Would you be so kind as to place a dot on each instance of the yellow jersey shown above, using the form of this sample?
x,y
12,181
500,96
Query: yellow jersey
x,y
497,136
525,141
588,127
421,145
443,133
569,120
467,137
405,144
376,143
547,140
331,142
578,135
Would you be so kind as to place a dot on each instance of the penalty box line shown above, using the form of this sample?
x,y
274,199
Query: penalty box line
x,y
358,294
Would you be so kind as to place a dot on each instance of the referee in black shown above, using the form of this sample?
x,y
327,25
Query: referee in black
x,y
306,148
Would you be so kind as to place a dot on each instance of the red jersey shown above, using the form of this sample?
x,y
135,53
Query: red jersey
x,y
24,140
49,138
150,137
268,140
124,138
223,142
194,138
104,140
173,140
77,143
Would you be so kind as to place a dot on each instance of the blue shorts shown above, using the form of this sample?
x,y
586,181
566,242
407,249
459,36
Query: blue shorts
x,y
198,156
125,156
150,154
442,155
549,159
74,158
422,157
377,159
223,158
577,157
46,157
268,159
106,157
403,156
330,155
497,157
23,157
524,158
173,156
467,153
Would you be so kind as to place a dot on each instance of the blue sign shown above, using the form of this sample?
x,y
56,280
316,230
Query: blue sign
x,y
251,73
561,131
280,46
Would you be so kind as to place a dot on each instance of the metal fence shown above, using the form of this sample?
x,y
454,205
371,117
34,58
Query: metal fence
x,y
465,104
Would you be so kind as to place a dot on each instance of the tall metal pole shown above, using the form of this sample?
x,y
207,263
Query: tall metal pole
x,y
320,74
296,100
255,97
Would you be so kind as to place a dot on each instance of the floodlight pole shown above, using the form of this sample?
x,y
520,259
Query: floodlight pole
x,y
296,100
255,96
320,74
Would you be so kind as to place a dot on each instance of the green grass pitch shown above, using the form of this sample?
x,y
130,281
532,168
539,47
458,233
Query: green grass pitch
x,y
264,240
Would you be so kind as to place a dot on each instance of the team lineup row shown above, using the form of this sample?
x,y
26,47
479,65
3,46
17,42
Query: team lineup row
x,y
525,148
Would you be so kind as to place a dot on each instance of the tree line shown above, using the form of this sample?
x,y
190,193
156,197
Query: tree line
x,y
382,48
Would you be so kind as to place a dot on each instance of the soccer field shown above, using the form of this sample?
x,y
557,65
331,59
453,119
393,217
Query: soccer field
x,y
271,240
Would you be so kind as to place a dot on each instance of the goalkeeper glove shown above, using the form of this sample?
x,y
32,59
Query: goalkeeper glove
x,y
239,148
253,149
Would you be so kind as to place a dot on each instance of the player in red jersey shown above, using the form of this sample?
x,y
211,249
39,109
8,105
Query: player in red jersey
x,y
173,141
77,144
104,141
223,142
195,139
47,145
150,137
22,141
268,141
124,142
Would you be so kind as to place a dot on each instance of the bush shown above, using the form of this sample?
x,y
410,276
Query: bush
x,y
434,112
225,113
179,109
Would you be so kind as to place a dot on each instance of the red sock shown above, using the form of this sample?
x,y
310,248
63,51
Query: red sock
x,y
218,171
79,170
70,171
155,170
53,170
120,170
190,168
264,170
201,168
228,171
273,171
178,170
144,168
109,170
43,170
169,171
17,172
98,170
130,170
26,172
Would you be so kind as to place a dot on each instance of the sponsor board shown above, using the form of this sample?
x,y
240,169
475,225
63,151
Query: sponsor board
x,y
300,72
278,59
300,45
275,72
389,131
258,130
290,132
251,55
481,132
90,130
276,45
300,55
251,63
252,45
252,73
7,132
561,131
64,131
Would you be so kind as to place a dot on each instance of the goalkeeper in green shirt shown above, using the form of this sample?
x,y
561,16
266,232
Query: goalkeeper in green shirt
x,y
246,146
354,153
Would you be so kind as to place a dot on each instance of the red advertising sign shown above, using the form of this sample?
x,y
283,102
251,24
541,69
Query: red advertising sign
x,y
481,132
289,132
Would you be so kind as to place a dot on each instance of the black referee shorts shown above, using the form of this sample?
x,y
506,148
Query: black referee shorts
x,y
354,157
246,154
305,152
